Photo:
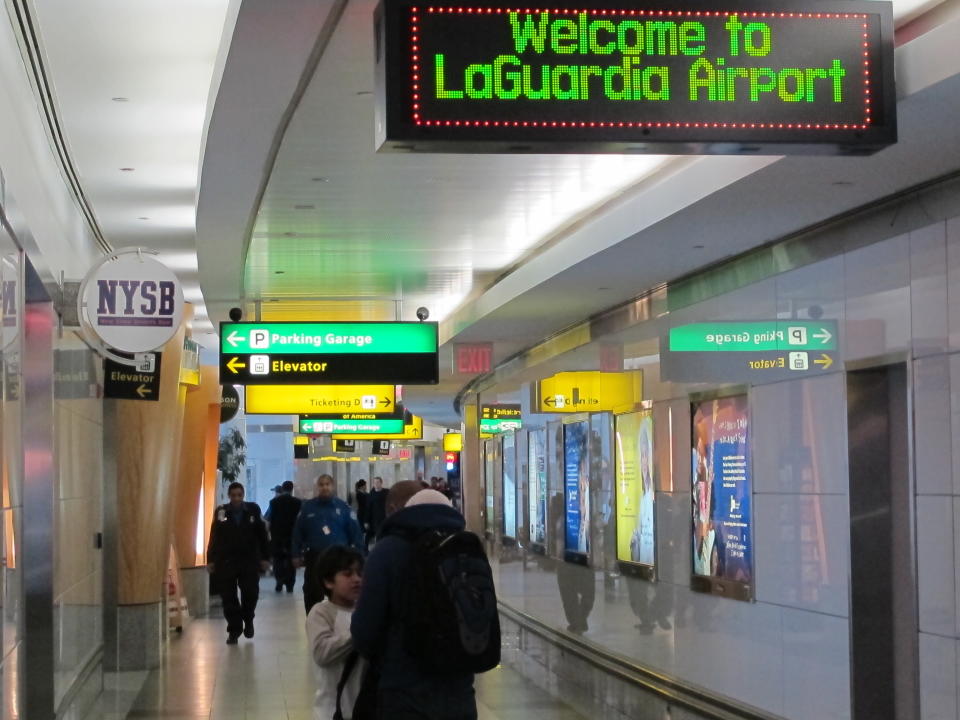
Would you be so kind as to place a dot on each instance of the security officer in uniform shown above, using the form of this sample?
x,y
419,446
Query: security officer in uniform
x,y
238,552
324,521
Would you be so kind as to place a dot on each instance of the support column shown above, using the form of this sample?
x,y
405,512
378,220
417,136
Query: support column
x,y
201,423
141,458
471,465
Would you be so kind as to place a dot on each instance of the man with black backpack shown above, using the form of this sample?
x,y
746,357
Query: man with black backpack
x,y
427,615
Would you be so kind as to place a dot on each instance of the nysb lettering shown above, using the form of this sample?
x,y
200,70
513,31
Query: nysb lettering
x,y
156,298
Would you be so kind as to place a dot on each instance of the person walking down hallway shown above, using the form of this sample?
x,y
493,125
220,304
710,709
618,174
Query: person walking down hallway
x,y
236,555
282,515
324,521
376,508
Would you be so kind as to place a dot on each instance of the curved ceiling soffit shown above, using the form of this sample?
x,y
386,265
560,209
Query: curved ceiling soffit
x,y
271,57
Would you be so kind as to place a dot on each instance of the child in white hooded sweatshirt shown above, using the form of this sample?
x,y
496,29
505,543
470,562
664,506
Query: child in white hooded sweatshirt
x,y
338,571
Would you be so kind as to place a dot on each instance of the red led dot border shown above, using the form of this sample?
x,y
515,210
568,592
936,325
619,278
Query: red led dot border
x,y
422,122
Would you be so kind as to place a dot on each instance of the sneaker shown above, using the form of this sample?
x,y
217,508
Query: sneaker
x,y
232,638
248,629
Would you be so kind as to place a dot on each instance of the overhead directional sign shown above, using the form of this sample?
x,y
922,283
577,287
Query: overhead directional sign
x,y
411,431
495,419
129,382
755,336
294,353
576,392
677,77
307,399
751,351
377,427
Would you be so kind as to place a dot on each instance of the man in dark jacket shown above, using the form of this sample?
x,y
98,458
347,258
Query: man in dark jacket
x,y
236,555
282,515
324,521
406,691
376,508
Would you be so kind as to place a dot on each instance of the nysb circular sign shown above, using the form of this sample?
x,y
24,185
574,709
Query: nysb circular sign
x,y
133,303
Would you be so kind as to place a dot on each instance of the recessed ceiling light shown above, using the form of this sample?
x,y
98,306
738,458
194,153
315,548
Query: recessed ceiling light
x,y
603,288
304,207
365,92
127,169
143,217
120,99
699,247
320,179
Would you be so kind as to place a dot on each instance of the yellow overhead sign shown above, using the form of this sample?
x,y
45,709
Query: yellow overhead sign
x,y
301,440
452,442
318,399
414,431
577,392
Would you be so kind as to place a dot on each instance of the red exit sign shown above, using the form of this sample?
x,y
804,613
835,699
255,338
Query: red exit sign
x,y
473,358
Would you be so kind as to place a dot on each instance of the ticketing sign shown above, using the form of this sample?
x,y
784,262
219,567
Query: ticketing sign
x,y
296,353
751,351
577,392
681,77
307,399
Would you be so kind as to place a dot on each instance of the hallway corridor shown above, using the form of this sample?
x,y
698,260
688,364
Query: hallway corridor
x,y
270,677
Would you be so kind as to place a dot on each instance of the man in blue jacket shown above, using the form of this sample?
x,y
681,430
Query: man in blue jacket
x,y
406,691
324,521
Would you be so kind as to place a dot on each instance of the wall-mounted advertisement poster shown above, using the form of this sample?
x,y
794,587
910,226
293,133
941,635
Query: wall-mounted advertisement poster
x,y
722,532
537,484
577,488
636,492
489,451
510,486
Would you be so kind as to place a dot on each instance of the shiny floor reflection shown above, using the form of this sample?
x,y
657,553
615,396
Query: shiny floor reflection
x,y
270,676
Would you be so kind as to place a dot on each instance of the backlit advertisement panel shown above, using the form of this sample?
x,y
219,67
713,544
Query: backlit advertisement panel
x,y
636,492
721,473
509,486
489,451
576,487
537,483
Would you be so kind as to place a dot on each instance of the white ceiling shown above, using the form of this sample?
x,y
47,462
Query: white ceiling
x,y
131,82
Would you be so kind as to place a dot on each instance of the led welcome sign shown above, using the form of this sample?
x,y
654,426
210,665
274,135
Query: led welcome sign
x,y
624,78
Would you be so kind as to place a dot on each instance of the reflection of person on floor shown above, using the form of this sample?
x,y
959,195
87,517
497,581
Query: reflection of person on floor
x,y
650,602
236,555
578,590
575,582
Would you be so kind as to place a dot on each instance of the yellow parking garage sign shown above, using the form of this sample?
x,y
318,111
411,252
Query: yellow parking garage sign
x,y
311,399
577,392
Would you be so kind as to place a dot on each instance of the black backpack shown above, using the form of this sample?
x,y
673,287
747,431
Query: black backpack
x,y
450,620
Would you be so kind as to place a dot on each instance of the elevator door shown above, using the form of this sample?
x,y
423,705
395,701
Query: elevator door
x,y
883,588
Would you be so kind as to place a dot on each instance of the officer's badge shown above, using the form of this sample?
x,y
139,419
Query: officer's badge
x,y
221,515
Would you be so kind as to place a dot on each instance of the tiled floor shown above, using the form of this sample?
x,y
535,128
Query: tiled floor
x,y
270,677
